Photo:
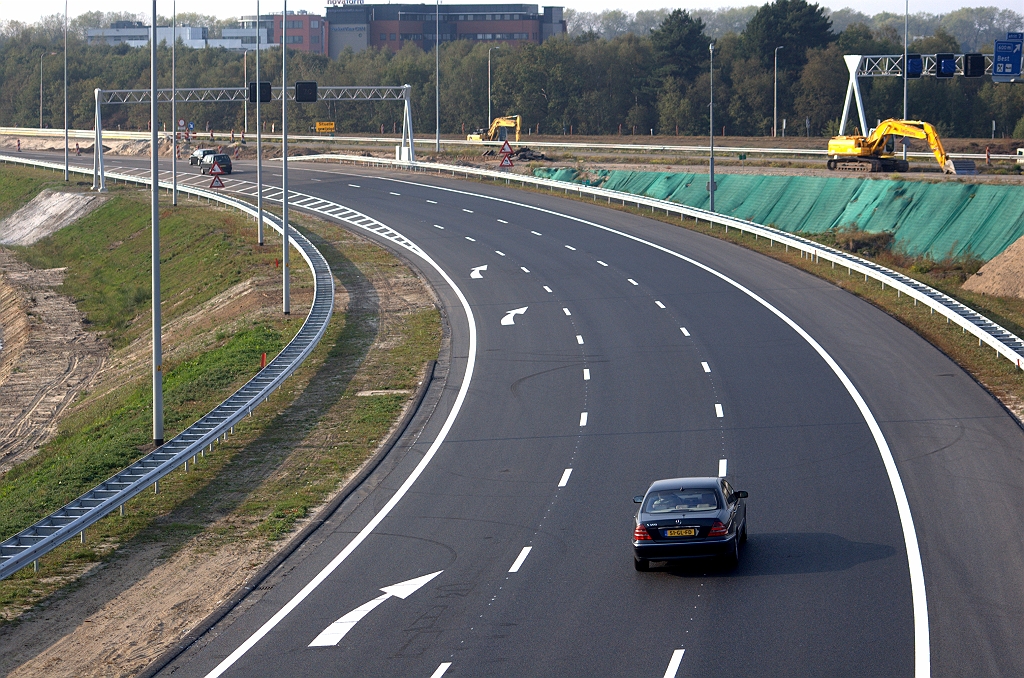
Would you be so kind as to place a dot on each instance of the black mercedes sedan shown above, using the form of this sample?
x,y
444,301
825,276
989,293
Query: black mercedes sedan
x,y
682,518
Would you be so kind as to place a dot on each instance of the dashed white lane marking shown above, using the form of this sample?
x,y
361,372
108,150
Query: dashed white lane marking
x,y
502,221
547,289
536,233
434,202
393,193
673,664
601,262
660,305
586,374
499,253
566,311
465,210
510,316
707,368
355,186
475,272
723,466
632,282
316,179
439,671
718,410
685,333
565,477
441,227
520,559
570,247
579,338
470,239
525,270
583,418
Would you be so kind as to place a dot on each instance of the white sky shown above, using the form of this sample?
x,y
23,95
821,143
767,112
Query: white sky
x,y
31,11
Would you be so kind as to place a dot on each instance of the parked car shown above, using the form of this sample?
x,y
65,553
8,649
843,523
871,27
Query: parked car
x,y
682,518
222,159
199,154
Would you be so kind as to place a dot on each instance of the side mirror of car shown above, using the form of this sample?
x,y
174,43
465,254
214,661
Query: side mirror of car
x,y
638,499
740,494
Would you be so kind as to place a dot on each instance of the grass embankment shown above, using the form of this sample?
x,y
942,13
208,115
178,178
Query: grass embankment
x,y
284,460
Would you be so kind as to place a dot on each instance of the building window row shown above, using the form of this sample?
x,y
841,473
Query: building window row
x,y
496,36
293,24
294,39
408,16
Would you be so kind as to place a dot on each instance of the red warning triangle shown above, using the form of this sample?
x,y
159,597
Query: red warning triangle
x,y
506,149
216,183
505,162
215,170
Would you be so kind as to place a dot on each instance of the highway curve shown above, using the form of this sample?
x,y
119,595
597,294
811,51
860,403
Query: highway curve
x,y
628,364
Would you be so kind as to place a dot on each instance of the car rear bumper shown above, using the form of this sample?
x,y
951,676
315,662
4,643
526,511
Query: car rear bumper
x,y
698,548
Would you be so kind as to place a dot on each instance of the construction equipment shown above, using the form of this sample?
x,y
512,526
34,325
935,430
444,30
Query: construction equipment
x,y
877,151
499,129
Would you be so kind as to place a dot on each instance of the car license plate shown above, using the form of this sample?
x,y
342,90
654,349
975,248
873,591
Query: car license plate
x,y
683,532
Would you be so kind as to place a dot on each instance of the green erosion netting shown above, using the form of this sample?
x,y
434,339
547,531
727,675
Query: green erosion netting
x,y
938,220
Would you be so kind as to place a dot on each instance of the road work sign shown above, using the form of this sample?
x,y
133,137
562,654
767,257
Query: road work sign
x,y
216,171
325,127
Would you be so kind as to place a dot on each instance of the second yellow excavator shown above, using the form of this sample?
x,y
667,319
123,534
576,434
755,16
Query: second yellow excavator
x,y
499,130
877,151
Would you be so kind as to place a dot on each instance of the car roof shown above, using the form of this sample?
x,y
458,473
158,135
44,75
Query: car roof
x,y
688,483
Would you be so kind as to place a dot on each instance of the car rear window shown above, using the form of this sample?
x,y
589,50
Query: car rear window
x,y
222,158
680,501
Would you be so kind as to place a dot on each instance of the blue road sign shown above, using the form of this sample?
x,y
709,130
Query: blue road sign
x,y
1015,36
191,126
1006,62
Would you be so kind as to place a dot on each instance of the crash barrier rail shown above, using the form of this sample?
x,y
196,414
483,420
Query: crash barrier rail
x,y
1004,342
73,519
221,137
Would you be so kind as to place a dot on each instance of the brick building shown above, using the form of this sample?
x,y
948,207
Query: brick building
x,y
306,32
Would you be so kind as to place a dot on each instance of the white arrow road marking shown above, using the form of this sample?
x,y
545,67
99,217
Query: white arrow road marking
x,y
718,411
673,664
475,272
723,465
510,317
333,634
519,560
439,671
565,477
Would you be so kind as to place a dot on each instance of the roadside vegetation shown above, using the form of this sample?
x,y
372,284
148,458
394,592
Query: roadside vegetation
x,y
282,462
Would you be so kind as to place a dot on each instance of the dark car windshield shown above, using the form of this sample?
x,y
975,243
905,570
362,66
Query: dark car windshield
x,y
679,501
218,158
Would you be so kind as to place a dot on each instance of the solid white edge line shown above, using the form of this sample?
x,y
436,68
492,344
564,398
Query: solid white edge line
x,y
601,262
583,418
718,411
673,664
383,513
524,269
499,253
520,559
432,202
439,671
922,643
723,466
632,282
565,477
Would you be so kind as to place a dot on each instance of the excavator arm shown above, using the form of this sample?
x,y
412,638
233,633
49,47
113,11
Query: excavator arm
x,y
915,129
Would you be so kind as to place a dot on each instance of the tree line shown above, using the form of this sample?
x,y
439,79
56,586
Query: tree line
x,y
657,82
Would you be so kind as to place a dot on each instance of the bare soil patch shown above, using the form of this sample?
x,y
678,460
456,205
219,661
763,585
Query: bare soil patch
x,y
1003,276
47,213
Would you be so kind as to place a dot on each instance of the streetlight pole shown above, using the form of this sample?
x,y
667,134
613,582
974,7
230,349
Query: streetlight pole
x,y
41,87
259,137
711,167
66,150
489,118
174,106
906,30
437,74
245,80
158,382
286,302
775,115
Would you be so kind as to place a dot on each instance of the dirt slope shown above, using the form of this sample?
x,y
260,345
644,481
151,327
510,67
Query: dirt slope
x,y
1003,276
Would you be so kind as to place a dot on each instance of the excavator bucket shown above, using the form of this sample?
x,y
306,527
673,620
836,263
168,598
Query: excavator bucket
x,y
960,166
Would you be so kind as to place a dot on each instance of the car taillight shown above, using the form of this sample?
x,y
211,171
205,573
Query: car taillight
x,y
640,534
718,529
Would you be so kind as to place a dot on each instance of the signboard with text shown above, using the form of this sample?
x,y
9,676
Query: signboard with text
x,y
1006,60
325,127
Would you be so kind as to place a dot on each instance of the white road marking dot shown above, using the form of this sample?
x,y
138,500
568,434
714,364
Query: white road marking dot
x,y
393,193
723,466
583,418
601,262
525,270
470,239
499,253
510,316
441,227
547,289
632,282
718,410
465,210
707,368
355,185
586,374
536,233
565,477
579,338
439,671
570,247
566,311
519,560
673,664
685,333
502,221
660,305
434,202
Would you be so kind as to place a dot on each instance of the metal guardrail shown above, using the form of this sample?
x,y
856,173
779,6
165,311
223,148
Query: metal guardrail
x,y
74,518
1004,342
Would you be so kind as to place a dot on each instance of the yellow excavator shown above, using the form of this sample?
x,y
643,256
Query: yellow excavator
x,y
877,151
499,129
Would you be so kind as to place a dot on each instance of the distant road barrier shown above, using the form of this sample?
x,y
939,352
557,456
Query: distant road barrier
x,y
73,519
1004,342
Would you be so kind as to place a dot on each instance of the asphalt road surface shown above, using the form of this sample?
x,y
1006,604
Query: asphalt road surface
x,y
586,342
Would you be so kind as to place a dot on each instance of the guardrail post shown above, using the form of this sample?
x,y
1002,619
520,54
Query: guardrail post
x,y
35,565
81,535
156,487
121,507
